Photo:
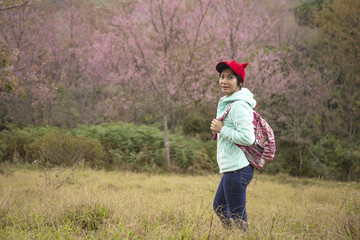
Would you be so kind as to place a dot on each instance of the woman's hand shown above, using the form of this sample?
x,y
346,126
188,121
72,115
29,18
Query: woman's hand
x,y
216,126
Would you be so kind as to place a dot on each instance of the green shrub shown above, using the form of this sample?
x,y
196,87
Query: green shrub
x,y
13,140
191,153
127,144
333,156
210,148
141,147
328,158
65,150
112,145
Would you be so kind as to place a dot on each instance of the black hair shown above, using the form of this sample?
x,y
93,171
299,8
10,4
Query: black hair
x,y
240,80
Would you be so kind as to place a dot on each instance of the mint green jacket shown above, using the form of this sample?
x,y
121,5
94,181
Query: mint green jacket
x,y
237,129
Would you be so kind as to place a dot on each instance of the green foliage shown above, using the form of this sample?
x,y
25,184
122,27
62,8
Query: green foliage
x,y
126,143
7,80
56,148
141,147
339,27
286,158
305,13
185,152
210,150
327,158
194,125
115,145
14,139
331,152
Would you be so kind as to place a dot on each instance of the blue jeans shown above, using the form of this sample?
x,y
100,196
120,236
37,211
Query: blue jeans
x,y
230,199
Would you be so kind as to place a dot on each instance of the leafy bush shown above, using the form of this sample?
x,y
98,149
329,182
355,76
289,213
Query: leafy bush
x,y
56,148
126,143
330,152
192,154
13,140
210,148
142,147
111,145
328,158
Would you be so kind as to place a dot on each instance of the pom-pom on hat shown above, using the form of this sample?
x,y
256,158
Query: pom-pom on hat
x,y
238,68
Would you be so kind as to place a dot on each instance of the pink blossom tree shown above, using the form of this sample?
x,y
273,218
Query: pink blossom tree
x,y
244,25
8,57
70,30
53,45
165,44
289,91
17,33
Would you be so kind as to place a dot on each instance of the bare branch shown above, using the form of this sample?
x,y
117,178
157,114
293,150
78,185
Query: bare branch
x,y
15,6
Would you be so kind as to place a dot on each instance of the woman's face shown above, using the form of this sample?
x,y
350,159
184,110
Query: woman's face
x,y
228,82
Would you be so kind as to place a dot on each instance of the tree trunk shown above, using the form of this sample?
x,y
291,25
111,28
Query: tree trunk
x,y
297,138
300,160
166,141
351,139
173,120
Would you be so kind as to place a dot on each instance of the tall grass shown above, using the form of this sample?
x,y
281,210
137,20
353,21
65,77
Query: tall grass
x,y
87,204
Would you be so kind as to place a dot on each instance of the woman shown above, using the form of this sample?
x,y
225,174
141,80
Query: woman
x,y
237,128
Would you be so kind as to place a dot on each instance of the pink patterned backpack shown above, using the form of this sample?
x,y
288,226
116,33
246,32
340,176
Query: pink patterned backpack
x,y
263,150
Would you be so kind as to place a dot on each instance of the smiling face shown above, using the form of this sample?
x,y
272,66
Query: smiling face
x,y
228,82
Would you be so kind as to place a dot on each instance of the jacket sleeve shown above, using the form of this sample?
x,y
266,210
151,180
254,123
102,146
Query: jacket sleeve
x,y
242,117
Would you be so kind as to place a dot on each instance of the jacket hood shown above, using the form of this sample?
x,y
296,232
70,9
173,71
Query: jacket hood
x,y
243,95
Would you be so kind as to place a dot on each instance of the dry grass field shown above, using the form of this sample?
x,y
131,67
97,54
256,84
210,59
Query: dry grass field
x,y
89,204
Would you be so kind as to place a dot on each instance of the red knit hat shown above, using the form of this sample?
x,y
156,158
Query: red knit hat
x,y
238,68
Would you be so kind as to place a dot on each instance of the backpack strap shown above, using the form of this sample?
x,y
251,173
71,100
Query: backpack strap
x,y
223,116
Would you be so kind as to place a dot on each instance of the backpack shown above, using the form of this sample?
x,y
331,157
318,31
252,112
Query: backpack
x,y
263,150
